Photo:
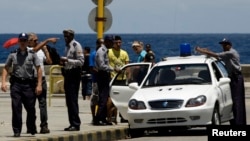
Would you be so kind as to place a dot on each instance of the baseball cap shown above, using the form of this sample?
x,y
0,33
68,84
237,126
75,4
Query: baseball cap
x,y
118,37
23,36
109,38
70,31
225,41
148,45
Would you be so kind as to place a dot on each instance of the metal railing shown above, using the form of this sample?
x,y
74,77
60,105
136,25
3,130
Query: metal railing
x,y
55,81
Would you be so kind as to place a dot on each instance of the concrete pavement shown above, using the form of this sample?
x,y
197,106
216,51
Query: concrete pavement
x,y
58,120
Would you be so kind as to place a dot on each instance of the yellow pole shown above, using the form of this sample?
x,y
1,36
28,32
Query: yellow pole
x,y
100,18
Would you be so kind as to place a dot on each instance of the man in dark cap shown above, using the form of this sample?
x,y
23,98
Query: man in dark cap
x,y
148,48
72,63
24,88
103,79
231,59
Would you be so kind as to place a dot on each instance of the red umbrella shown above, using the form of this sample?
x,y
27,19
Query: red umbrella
x,y
10,42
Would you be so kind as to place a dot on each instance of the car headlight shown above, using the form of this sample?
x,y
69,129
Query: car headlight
x,y
197,101
136,105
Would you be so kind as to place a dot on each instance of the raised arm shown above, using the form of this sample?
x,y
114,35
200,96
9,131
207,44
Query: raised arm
x,y
206,52
43,43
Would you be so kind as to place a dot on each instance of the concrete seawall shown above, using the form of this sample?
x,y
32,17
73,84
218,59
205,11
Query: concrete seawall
x,y
245,71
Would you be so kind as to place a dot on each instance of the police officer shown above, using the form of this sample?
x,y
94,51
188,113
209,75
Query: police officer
x,y
94,96
72,63
103,79
231,58
22,89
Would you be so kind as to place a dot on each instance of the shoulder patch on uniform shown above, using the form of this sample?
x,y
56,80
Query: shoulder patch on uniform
x,y
74,44
103,49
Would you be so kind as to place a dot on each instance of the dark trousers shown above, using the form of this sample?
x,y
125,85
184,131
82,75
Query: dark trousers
x,y
22,93
238,97
103,79
42,101
72,79
86,86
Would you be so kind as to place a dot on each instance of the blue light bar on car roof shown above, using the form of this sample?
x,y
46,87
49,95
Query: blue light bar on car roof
x,y
185,49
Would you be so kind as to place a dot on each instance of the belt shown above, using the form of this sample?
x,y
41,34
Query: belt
x,y
21,79
72,69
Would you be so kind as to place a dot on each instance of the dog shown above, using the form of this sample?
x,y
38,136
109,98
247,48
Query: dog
x,y
111,112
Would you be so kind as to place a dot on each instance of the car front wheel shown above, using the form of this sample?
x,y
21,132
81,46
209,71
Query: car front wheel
x,y
216,116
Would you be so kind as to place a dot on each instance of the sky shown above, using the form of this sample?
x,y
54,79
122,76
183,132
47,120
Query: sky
x,y
127,16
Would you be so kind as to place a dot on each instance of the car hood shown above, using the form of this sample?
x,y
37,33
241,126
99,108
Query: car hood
x,y
171,92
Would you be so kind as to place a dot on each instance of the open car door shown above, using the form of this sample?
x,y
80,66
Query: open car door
x,y
120,93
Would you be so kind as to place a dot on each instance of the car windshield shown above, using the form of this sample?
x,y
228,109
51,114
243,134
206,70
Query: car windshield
x,y
178,75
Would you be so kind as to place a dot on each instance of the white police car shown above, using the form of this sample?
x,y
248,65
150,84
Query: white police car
x,y
185,91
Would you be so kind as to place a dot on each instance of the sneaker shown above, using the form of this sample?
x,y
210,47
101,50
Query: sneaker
x,y
44,130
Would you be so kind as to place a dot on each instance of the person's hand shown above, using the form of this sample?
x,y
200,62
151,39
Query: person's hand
x,y
38,90
117,69
53,40
4,87
200,50
64,59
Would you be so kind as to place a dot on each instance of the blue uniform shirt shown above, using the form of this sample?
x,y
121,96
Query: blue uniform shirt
x,y
101,59
74,54
23,63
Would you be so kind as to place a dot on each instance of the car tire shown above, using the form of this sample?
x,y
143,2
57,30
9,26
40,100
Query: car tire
x,y
135,133
216,116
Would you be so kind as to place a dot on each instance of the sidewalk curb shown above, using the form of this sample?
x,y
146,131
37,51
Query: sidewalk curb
x,y
103,135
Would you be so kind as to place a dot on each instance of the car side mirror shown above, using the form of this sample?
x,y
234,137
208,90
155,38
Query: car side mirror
x,y
224,80
133,85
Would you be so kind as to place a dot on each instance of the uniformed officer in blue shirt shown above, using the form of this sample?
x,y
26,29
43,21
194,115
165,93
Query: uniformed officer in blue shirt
x,y
103,78
23,89
72,63
231,58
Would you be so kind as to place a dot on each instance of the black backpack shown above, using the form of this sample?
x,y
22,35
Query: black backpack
x,y
55,57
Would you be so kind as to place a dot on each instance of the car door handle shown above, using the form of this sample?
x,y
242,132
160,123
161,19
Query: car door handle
x,y
116,92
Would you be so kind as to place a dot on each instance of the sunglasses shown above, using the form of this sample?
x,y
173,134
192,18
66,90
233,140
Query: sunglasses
x,y
34,40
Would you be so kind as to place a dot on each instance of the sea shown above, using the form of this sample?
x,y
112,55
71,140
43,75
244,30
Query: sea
x,y
163,45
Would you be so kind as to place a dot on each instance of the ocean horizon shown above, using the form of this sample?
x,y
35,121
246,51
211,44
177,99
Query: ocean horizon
x,y
163,45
